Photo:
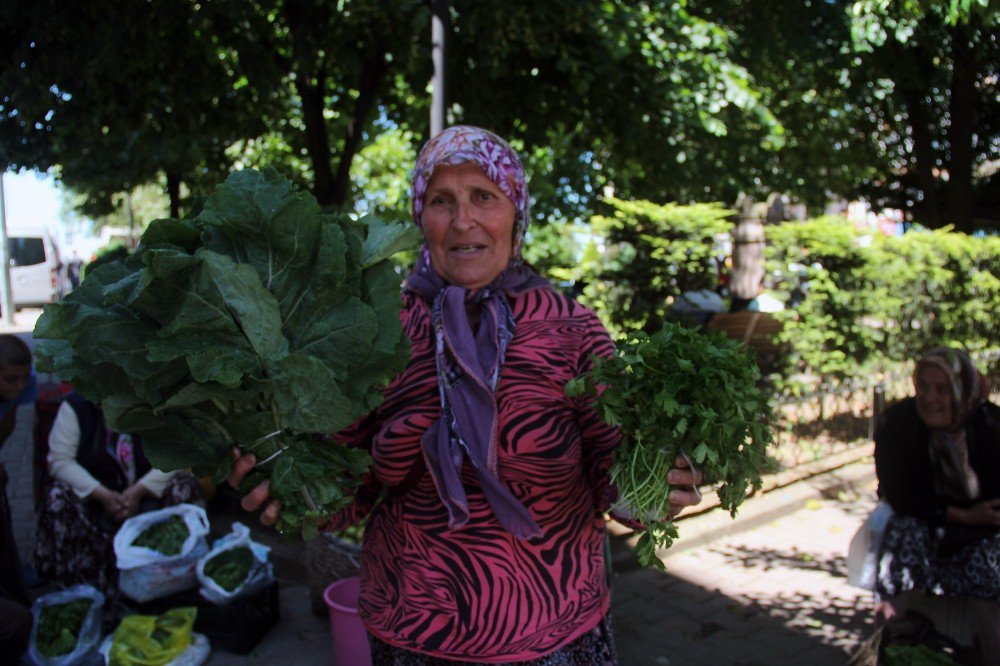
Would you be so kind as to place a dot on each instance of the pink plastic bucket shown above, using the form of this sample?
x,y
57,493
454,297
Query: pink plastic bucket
x,y
350,640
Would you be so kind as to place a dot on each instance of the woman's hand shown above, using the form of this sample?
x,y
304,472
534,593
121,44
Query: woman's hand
x,y
113,502
131,498
260,495
986,513
683,473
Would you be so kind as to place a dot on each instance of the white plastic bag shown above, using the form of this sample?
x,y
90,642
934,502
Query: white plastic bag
x,y
195,655
146,574
259,576
87,638
862,554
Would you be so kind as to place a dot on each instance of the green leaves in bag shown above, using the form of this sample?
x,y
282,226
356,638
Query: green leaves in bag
x,y
262,322
679,390
167,536
59,627
230,567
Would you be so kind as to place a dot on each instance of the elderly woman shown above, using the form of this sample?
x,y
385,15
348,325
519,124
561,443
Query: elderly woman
x,y
937,457
488,542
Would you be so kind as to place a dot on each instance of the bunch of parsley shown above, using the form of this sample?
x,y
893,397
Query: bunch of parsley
x,y
679,390
261,322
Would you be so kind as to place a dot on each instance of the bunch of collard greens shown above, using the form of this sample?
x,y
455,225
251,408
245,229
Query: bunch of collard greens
x,y
679,390
261,322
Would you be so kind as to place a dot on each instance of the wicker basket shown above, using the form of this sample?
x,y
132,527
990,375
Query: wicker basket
x,y
329,558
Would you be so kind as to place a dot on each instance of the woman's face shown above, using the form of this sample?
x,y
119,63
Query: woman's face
x,y
13,379
468,225
933,393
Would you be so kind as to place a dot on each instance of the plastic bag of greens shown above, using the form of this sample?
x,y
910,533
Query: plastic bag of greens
x,y
66,627
235,567
158,551
157,640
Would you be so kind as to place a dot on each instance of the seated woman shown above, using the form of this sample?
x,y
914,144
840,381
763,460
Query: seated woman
x,y
99,478
937,457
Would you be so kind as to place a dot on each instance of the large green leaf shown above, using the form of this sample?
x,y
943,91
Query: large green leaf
x,y
249,325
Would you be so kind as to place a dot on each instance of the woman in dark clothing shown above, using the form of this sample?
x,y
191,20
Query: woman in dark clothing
x,y
937,456
99,478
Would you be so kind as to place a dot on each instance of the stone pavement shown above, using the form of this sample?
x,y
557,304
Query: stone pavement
x,y
766,588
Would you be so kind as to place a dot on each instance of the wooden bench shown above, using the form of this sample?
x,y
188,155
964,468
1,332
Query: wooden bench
x,y
757,330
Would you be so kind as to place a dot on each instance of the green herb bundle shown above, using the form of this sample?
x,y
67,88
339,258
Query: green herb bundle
x,y
167,536
230,567
679,390
261,322
59,626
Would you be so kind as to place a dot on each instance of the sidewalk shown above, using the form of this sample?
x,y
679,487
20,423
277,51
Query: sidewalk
x,y
766,588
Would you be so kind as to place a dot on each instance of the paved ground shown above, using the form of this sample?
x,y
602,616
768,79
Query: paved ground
x,y
766,588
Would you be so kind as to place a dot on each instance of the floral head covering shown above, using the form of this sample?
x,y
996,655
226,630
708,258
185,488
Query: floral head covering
x,y
948,447
969,388
464,143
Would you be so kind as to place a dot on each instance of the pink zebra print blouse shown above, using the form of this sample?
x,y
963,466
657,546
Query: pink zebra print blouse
x,y
479,593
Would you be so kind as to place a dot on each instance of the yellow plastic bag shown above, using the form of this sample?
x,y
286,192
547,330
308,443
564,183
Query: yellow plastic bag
x,y
152,640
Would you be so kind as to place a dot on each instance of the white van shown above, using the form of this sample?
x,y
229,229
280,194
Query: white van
x,y
37,272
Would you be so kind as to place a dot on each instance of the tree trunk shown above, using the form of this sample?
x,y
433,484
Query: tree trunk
x,y
929,210
174,195
312,94
748,262
373,75
310,84
962,109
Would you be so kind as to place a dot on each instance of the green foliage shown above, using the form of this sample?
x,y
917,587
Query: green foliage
x,y
59,626
654,253
871,302
261,323
104,255
679,390
552,250
230,567
917,655
167,536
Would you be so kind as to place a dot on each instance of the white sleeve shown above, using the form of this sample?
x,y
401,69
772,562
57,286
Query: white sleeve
x,y
64,441
156,481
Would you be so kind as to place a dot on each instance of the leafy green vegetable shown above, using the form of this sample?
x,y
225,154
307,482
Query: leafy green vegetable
x,y
167,536
59,626
230,567
679,390
916,655
262,322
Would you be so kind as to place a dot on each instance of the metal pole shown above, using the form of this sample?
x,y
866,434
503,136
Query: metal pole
x,y
439,22
8,296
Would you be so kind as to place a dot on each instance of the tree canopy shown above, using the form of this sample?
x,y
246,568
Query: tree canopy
x,y
665,100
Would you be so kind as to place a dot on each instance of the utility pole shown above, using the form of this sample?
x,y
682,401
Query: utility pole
x,y
8,296
439,25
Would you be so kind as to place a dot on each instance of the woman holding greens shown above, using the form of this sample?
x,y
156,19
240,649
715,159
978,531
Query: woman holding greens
x,y
488,544
937,456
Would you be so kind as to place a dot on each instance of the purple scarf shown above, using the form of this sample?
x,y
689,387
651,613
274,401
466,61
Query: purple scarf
x,y
468,366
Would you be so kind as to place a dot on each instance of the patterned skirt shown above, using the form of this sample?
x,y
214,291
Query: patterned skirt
x,y
594,648
75,543
912,558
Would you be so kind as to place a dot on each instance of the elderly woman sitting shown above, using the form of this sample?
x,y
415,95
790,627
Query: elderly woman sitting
x,y
937,457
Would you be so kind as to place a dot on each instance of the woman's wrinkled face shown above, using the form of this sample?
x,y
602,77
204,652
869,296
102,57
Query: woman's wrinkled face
x,y
468,225
13,379
933,394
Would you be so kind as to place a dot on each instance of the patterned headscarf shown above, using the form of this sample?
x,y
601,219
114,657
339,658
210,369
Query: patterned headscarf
x,y
954,476
461,144
470,356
